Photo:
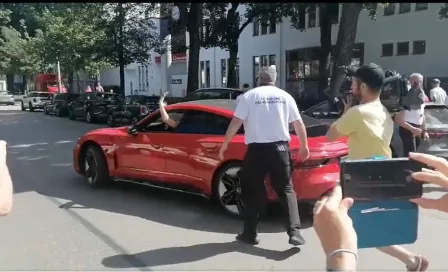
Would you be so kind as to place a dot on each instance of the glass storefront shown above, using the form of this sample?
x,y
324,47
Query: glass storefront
x,y
302,67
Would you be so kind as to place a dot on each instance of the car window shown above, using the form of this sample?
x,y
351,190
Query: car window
x,y
203,95
155,123
44,95
436,116
199,122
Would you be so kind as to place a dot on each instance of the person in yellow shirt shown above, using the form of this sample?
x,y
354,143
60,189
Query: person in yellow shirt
x,y
369,128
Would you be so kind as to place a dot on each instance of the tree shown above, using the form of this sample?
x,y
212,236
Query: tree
x,y
224,24
70,37
297,12
443,12
190,19
130,35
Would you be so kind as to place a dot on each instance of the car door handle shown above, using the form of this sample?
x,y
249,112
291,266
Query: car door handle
x,y
211,149
156,146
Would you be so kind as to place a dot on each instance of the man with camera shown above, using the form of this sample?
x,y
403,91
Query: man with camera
x,y
369,129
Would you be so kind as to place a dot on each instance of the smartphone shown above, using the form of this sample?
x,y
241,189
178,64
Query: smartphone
x,y
380,179
385,223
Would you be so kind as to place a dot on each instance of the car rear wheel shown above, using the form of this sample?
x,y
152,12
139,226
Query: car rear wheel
x,y
96,171
71,116
89,117
227,189
30,106
57,112
22,106
110,120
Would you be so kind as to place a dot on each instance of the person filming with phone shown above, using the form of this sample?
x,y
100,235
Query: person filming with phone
x,y
369,129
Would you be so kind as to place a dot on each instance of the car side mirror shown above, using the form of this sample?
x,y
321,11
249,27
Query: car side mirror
x,y
132,130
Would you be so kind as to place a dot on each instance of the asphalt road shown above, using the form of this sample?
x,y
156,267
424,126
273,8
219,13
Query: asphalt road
x,y
59,223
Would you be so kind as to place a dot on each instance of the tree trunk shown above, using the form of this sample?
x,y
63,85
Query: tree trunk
x,y
344,44
325,50
231,75
24,83
121,50
70,81
10,83
79,83
194,22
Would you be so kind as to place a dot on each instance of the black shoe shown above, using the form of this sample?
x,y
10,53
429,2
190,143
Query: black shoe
x,y
297,240
251,240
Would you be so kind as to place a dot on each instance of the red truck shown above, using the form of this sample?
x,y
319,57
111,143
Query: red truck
x,y
48,83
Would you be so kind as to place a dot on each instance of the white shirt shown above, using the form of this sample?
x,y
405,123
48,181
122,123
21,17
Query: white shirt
x,y
438,95
414,116
267,112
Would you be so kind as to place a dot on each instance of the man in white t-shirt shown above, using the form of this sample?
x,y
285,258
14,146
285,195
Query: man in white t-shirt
x,y
411,120
437,94
266,112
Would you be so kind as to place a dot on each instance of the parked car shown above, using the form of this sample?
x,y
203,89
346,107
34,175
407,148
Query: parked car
x,y
6,98
35,100
186,158
92,106
213,93
132,109
59,105
436,116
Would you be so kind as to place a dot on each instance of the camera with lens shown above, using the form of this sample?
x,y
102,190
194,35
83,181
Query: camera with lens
x,y
393,91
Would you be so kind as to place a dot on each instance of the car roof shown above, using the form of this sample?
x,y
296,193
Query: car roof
x,y
217,89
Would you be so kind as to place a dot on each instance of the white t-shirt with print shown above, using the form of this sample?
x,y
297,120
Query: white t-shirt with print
x,y
414,116
267,112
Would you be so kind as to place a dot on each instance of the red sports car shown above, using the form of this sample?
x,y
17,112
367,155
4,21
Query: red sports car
x,y
186,158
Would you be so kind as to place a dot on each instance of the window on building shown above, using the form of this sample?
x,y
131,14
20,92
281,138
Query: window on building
x,y
387,50
334,13
271,59
207,74
390,9
264,27
202,74
256,25
256,67
272,26
419,47
264,61
315,68
421,6
224,72
307,68
404,7
402,48
312,16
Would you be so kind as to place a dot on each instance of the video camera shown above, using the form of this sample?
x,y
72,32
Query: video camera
x,y
393,91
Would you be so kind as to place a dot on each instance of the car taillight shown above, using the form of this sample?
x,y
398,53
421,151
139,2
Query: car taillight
x,y
437,134
312,163
144,110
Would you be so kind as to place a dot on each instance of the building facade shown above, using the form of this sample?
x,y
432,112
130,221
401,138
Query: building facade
x,y
406,37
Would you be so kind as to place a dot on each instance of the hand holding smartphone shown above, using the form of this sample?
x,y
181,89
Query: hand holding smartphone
x,y
382,214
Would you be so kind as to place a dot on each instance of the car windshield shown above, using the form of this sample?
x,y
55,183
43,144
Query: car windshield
x,y
107,96
436,117
46,95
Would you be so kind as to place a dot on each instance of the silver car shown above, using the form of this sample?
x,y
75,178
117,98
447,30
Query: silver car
x,y
6,98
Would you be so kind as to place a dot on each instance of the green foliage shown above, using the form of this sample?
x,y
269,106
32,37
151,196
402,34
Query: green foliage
x,y
443,12
129,36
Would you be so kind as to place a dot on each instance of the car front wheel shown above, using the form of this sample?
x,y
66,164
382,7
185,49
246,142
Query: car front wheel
x,y
96,171
30,106
71,116
57,112
22,106
89,117
45,110
227,189
110,120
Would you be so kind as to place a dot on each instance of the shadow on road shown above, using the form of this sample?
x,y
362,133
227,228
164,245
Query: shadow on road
x,y
40,160
187,254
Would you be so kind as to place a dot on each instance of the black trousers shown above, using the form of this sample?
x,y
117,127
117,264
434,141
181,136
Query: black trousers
x,y
410,142
260,160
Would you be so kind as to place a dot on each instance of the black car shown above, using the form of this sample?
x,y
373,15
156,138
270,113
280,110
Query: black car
x,y
132,109
59,104
213,93
93,106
